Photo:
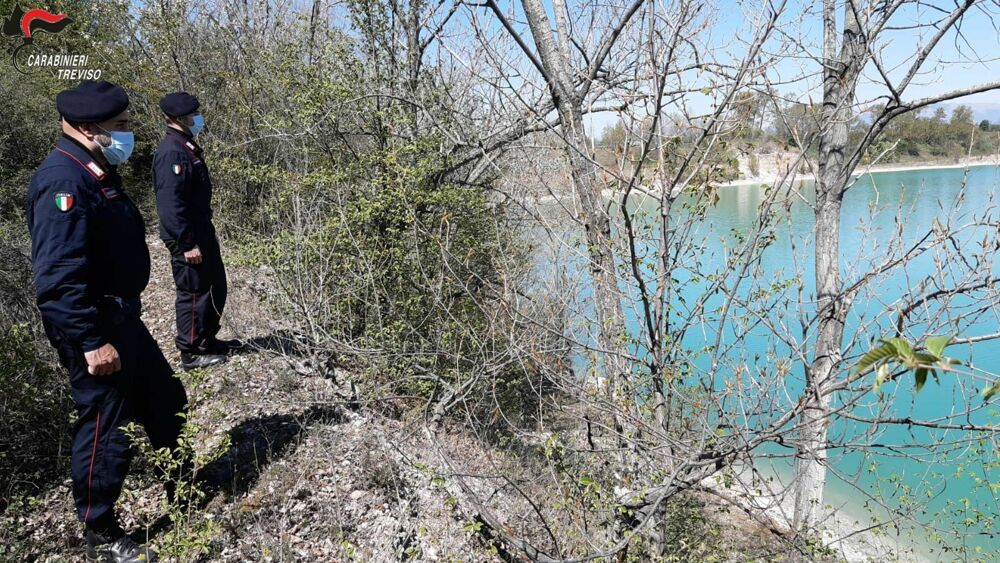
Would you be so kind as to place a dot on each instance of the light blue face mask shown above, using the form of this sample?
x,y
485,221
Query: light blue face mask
x,y
199,124
122,143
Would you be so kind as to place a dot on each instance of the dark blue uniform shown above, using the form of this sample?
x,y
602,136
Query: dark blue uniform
x,y
91,264
184,205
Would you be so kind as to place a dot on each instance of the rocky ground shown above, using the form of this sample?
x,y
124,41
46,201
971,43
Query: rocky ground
x,y
304,474
304,479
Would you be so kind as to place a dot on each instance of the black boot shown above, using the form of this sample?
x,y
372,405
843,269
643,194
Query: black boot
x,y
113,546
194,361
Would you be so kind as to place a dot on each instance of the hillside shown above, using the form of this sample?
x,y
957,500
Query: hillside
x,y
306,477
310,475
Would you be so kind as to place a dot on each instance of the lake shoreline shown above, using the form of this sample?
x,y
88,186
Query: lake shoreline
x,y
805,177
844,527
876,169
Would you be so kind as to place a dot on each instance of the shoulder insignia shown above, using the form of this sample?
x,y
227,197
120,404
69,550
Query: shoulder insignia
x,y
95,170
110,193
91,167
64,201
178,169
190,145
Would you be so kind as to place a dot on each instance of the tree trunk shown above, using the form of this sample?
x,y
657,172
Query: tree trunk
x,y
594,209
842,66
597,224
810,459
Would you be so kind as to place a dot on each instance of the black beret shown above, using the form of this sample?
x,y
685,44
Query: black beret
x,y
91,102
177,104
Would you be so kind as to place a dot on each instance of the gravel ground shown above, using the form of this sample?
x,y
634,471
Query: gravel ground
x,y
305,479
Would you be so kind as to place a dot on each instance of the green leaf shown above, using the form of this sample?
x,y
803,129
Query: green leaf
x,y
903,348
936,344
921,379
926,359
873,357
991,390
881,375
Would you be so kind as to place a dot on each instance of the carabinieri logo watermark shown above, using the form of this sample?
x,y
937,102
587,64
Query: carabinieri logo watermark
x,y
24,24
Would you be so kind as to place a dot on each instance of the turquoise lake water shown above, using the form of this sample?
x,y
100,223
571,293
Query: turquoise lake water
x,y
944,484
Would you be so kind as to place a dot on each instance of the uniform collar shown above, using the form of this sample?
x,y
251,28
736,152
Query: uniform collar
x,y
184,139
84,157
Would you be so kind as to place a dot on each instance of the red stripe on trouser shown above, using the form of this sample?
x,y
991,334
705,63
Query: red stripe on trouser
x,y
194,317
93,456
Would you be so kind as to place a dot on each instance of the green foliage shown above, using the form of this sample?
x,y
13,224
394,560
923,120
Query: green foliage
x,y
34,426
690,535
387,256
380,255
191,532
798,123
990,391
898,351
613,137
384,262
919,136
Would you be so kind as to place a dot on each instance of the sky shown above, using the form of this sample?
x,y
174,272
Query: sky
x,y
731,22
959,60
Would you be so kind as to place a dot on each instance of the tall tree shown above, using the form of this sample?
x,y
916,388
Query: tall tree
x,y
848,48
570,88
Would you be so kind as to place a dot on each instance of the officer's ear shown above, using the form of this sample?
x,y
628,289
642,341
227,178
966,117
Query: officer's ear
x,y
88,130
93,132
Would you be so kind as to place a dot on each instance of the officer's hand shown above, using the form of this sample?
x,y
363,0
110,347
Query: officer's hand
x,y
193,256
103,361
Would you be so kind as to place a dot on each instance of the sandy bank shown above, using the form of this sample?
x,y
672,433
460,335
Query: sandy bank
x,y
876,169
847,529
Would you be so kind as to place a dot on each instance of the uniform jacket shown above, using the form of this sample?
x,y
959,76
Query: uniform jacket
x,y
183,192
88,244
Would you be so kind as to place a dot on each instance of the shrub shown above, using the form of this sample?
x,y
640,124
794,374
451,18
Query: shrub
x,y
391,268
35,413
191,532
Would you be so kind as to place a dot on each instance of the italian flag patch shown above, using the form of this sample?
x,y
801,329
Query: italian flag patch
x,y
64,201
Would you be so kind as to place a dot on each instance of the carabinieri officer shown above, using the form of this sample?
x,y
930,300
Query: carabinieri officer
x,y
91,264
184,205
